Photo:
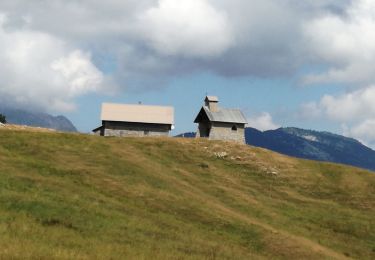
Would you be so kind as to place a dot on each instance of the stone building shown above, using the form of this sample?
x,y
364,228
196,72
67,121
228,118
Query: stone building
x,y
135,120
216,123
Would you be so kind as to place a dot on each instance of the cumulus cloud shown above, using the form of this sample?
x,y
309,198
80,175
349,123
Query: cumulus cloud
x,y
262,122
363,131
159,38
343,43
190,28
346,43
55,43
354,110
40,71
237,37
351,106
78,73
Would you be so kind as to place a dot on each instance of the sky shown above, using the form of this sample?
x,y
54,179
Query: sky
x,y
308,64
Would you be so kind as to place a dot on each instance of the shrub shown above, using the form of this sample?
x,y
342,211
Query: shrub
x,y
3,119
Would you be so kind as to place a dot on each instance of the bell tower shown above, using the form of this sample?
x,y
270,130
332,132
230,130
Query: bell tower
x,y
212,103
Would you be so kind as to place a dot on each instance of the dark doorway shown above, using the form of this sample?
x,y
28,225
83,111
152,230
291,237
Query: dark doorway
x,y
204,130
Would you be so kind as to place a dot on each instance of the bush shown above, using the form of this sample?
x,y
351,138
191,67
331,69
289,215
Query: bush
x,y
3,119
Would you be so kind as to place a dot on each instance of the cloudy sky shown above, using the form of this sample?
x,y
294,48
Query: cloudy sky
x,y
308,64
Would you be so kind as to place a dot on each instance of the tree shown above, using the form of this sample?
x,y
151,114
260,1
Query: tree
x,y
3,119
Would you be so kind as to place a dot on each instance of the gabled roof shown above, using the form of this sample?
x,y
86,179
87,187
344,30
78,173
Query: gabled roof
x,y
97,129
137,113
223,115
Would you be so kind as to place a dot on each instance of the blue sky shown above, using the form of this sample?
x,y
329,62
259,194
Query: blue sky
x,y
307,64
279,97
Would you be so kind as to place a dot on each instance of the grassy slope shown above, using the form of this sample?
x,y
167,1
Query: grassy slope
x,y
77,196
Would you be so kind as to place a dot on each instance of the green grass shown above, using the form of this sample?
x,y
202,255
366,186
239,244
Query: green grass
x,y
71,196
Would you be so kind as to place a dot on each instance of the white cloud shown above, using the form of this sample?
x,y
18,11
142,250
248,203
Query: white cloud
x,y
354,110
40,71
187,28
229,37
162,38
310,110
49,43
262,122
77,71
346,43
351,106
363,131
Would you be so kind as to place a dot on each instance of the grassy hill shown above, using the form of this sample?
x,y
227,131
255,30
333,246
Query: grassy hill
x,y
84,197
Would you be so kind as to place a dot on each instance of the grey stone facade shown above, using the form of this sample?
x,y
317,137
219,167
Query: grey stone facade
x,y
228,132
128,129
216,123
222,131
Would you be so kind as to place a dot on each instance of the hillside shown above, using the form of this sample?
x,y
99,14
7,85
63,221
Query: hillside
x,y
309,144
73,196
314,145
23,117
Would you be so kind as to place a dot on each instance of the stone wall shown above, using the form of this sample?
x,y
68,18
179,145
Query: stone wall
x,y
98,131
223,131
134,129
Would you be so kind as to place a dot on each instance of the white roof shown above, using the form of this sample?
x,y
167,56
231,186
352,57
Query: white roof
x,y
212,98
138,113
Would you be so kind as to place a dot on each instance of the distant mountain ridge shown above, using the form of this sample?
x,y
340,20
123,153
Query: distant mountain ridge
x,y
187,135
314,145
23,117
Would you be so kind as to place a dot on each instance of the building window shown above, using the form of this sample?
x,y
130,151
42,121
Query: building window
x,y
234,128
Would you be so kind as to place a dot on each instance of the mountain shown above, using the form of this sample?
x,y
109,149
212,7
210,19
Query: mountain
x,y
309,144
23,117
314,145
75,196
187,135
